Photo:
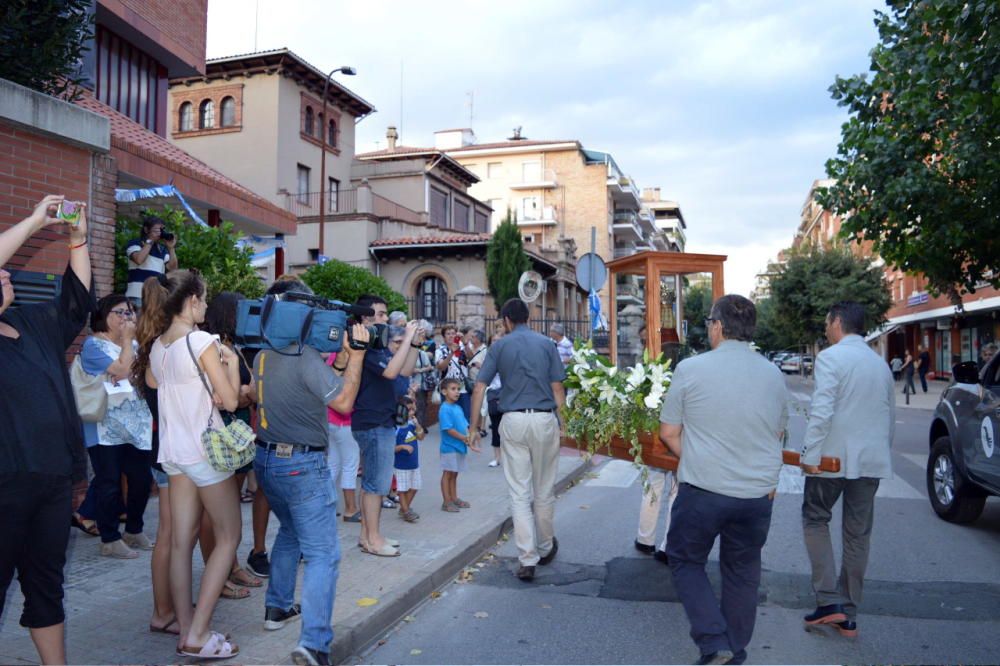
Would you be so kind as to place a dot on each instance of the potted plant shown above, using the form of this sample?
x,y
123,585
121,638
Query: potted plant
x,y
617,412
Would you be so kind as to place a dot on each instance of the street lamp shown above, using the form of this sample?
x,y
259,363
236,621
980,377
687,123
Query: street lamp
x,y
346,71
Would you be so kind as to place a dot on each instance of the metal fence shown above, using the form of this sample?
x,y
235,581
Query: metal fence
x,y
437,310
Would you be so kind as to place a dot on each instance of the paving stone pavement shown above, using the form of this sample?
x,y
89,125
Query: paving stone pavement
x,y
108,602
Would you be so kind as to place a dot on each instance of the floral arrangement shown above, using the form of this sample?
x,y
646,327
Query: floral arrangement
x,y
603,402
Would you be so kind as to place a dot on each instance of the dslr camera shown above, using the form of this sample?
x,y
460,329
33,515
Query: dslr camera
x,y
294,318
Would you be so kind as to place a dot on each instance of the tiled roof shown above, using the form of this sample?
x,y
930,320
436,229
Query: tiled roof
x,y
450,239
133,138
399,150
509,144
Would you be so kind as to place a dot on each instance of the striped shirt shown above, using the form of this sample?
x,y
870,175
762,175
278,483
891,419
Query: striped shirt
x,y
155,264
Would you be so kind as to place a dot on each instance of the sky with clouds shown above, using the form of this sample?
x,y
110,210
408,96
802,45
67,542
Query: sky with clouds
x,y
723,104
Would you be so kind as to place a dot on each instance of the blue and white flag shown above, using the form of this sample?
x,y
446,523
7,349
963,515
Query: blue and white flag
x,y
129,196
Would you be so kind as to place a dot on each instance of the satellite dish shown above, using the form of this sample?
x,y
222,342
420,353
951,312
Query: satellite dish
x,y
530,286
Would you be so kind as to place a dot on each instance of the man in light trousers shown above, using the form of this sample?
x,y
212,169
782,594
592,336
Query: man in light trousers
x,y
852,418
532,374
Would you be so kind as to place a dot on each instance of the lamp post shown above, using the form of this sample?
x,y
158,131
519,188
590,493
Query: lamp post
x,y
346,71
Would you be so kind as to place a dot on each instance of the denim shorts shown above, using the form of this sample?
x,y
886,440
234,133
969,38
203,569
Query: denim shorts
x,y
453,461
378,454
161,478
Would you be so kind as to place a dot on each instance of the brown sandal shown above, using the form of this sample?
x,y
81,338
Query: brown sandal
x,y
230,591
244,578
165,629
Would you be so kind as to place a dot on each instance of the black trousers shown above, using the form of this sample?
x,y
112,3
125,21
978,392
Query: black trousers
x,y
34,523
495,417
109,463
697,519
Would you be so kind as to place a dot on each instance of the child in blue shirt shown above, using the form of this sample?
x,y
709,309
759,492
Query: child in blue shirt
x,y
407,464
454,444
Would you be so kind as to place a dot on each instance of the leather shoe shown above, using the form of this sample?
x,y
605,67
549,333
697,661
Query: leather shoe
x,y
526,573
643,548
848,628
830,614
661,556
720,657
551,554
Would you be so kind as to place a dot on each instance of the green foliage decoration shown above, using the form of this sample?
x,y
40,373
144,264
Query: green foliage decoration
x,y
918,165
211,250
42,43
505,260
339,280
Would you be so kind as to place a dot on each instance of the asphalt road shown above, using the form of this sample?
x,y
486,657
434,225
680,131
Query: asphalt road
x,y
932,593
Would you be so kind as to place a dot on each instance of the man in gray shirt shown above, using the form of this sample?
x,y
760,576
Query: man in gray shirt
x,y
532,391
293,392
724,416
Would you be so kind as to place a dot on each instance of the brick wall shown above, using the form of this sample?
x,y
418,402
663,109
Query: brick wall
x,y
102,223
176,25
180,94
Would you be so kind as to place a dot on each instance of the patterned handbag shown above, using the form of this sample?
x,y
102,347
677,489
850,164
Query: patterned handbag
x,y
230,447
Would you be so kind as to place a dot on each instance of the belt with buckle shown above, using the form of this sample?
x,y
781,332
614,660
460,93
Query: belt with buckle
x,y
284,450
533,411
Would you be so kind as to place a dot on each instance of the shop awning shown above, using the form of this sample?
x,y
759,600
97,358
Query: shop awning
x,y
884,329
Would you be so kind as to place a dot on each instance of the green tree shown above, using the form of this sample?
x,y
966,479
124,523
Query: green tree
x,y
212,250
42,43
767,336
505,260
813,280
918,164
339,280
697,306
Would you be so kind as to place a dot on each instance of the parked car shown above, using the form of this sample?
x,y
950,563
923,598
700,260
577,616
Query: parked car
x,y
963,466
779,357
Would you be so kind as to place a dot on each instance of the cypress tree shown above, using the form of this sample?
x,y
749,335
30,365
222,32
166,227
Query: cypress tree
x,y
505,260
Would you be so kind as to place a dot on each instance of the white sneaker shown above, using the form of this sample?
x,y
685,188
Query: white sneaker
x,y
119,550
494,463
138,541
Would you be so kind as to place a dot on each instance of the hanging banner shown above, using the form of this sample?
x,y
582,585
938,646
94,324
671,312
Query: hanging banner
x,y
131,196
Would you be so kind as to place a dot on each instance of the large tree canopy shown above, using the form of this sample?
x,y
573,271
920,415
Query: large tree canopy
x,y
918,165
813,280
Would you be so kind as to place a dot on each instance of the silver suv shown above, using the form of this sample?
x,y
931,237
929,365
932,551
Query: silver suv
x,y
963,468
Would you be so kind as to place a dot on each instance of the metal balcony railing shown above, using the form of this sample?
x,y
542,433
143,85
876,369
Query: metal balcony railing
x,y
306,204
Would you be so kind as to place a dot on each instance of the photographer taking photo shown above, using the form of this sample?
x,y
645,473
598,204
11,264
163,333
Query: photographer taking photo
x,y
293,392
149,256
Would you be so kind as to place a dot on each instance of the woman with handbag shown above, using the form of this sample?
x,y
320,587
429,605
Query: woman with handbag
x,y
119,443
192,372
41,439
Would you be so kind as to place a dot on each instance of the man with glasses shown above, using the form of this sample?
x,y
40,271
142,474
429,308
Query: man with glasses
x,y
723,416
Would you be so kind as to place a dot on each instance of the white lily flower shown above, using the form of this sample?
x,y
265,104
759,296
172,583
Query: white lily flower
x,y
637,376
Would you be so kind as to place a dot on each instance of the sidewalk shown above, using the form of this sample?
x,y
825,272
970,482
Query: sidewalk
x,y
108,601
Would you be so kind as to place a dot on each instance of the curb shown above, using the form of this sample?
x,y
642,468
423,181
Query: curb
x,y
350,641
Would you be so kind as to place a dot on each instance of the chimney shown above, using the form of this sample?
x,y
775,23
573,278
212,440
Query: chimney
x,y
651,194
390,138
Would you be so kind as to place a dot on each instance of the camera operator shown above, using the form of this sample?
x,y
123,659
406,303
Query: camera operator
x,y
41,439
149,256
453,363
373,423
293,393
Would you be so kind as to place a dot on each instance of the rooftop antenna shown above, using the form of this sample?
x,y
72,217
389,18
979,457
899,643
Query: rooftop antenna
x,y
471,94
256,25
399,125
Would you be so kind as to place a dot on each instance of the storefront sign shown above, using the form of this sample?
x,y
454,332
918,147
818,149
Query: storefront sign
x,y
917,299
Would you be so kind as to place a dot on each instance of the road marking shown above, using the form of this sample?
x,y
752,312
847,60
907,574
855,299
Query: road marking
x,y
615,474
792,481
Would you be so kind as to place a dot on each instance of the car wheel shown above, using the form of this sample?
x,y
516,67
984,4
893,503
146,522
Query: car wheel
x,y
951,496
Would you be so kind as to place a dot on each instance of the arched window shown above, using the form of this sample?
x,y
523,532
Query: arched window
x,y
228,111
309,121
319,125
206,115
185,122
331,136
432,299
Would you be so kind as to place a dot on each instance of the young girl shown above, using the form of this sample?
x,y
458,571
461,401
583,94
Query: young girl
x,y
407,464
172,364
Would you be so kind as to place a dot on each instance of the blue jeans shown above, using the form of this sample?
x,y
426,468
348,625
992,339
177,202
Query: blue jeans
x,y
697,518
465,402
301,494
378,454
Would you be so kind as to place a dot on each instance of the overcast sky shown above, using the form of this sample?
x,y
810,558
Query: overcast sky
x,y
723,104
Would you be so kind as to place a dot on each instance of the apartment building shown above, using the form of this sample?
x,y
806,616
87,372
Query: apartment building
x,y
916,318
260,118
668,218
112,141
559,190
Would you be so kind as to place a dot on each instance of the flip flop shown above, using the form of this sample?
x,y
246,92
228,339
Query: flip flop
x,y
387,550
216,647
353,518
246,497
77,521
392,542
165,629
230,591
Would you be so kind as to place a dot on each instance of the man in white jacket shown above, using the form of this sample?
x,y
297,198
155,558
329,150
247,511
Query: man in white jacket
x,y
851,418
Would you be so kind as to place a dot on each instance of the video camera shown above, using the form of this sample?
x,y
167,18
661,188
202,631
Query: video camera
x,y
295,318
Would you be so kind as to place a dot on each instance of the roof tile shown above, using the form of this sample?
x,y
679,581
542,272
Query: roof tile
x,y
457,239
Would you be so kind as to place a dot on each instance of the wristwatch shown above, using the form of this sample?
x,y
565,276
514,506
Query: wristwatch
x,y
149,241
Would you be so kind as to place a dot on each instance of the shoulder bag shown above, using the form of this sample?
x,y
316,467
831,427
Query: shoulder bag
x,y
231,446
91,397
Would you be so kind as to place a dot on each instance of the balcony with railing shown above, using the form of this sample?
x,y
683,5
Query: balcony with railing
x,y
347,202
544,216
544,179
626,226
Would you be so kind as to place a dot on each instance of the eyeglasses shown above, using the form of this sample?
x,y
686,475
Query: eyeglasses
x,y
709,320
127,314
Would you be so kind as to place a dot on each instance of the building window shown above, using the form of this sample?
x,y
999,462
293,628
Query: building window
x,y
432,299
331,135
531,172
129,80
482,222
499,211
228,112
309,121
185,123
461,221
494,169
530,208
333,187
206,114
439,207
303,184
